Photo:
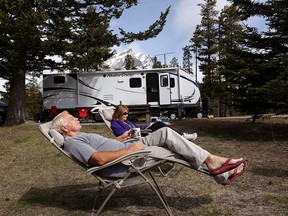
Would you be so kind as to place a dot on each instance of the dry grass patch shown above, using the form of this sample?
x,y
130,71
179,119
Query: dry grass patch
x,y
37,180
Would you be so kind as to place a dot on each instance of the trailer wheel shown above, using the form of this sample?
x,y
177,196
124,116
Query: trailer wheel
x,y
173,116
97,117
199,115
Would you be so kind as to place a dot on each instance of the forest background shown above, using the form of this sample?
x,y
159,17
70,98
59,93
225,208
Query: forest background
x,y
245,70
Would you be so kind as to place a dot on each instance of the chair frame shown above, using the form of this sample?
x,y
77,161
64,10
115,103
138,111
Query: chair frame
x,y
137,174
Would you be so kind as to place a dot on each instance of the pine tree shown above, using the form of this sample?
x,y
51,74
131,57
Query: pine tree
x,y
230,40
156,63
174,62
187,58
129,63
277,53
263,80
207,40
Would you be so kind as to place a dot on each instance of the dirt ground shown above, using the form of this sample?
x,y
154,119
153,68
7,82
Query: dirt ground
x,y
37,180
263,190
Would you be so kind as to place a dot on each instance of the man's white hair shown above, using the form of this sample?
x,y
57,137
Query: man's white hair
x,y
58,122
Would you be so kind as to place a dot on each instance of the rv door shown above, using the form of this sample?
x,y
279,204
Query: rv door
x,y
164,89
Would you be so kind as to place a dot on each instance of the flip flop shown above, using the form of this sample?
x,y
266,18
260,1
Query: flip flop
x,y
235,175
226,167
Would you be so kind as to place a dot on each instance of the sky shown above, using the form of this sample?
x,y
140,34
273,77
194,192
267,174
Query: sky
x,y
181,22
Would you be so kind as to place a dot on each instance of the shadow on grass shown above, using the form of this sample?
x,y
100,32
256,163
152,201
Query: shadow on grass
x,y
81,197
239,130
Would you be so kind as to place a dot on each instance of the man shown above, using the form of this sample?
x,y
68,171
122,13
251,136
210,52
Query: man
x,y
96,150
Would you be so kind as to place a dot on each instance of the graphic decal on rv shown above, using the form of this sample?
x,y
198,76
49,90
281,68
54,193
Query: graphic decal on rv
x,y
88,86
185,99
54,92
186,78
125,90
58,88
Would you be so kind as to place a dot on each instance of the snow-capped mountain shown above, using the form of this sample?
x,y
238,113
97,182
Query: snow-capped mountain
x,y
141,61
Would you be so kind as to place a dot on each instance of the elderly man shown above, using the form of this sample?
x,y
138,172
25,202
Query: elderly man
x,y
96,150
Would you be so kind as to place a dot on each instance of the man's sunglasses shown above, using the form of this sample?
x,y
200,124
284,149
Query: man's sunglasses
x,y
125,113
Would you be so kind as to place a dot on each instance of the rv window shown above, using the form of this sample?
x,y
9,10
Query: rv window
x,y
135,83
172,82
59,79
164,80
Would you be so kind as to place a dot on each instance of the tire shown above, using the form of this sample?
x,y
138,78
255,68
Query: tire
x,y
172,116
97,117
199,115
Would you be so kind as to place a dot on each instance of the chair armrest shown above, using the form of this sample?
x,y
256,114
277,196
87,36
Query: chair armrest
x,y
123,159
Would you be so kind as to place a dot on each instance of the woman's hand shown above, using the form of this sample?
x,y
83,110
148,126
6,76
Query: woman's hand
x,y
126,135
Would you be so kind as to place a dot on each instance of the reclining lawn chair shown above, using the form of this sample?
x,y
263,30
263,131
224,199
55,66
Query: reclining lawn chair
x,y
107,113
133,160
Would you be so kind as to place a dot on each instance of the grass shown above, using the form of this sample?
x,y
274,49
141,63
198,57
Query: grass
x,y
37,180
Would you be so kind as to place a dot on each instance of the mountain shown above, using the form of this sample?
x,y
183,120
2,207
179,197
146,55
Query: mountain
x,y
141,61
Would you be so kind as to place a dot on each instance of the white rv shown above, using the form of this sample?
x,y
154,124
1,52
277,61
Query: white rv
x,y
165,89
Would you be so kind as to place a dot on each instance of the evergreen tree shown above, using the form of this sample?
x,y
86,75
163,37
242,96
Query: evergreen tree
x,y
174,62
276,45
195,45
34,99
129,63
32,33
187,64
156,63
207,40
263,80
230,43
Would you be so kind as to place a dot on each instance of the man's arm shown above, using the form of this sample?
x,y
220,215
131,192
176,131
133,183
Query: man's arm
x,y
101,158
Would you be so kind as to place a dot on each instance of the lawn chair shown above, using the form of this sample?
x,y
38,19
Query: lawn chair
x,y
107,113
134,160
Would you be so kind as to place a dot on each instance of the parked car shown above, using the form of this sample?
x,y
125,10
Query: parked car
x,y
3,112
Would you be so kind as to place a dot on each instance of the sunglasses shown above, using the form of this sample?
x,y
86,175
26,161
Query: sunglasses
x,y
125,113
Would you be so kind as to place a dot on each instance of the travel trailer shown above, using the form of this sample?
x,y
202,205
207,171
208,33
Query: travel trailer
x,y
165,90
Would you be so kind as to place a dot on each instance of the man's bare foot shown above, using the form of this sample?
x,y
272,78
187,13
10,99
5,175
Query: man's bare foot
x,y
236,170
235,173
218,165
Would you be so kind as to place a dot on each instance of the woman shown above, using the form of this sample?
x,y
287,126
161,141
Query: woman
x,y
120,124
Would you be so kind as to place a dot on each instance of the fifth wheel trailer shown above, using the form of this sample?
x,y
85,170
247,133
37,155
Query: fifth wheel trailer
x,y
165,90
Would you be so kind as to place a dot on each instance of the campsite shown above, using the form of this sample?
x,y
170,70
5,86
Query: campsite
x,y
38,180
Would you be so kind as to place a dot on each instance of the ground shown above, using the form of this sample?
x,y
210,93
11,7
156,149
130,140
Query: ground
x,y
37,180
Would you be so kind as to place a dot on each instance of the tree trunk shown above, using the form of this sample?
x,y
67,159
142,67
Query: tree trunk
x,y
17,99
